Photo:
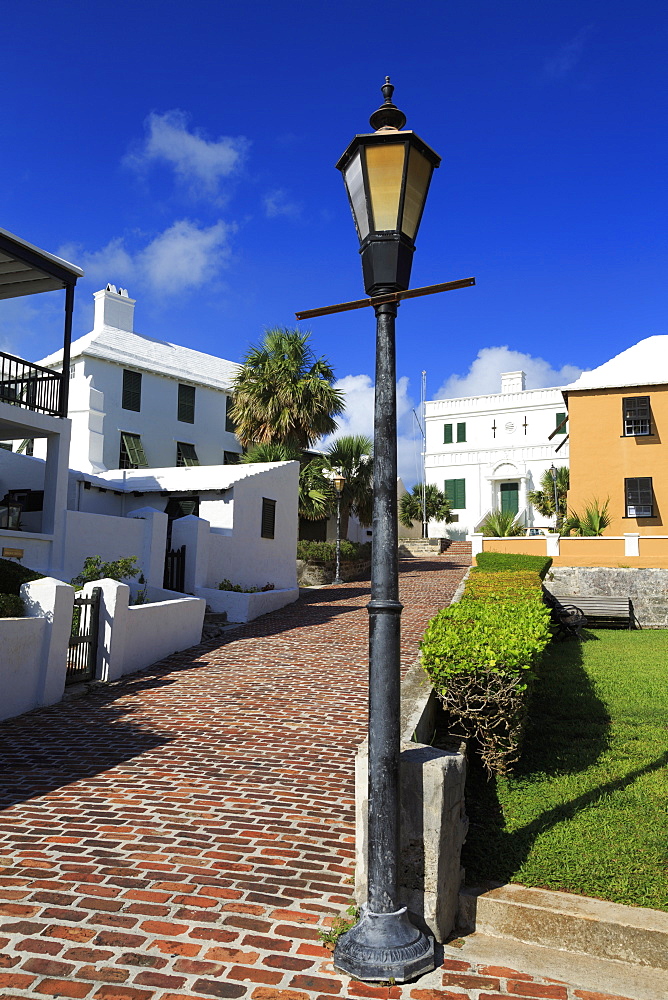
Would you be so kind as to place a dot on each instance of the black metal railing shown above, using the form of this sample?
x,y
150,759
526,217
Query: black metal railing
x,y
82,651
29,386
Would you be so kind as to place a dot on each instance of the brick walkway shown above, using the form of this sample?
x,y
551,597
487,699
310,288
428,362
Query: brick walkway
x,y
187,831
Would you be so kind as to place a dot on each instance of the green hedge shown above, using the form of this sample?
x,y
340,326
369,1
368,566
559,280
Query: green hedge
x,y
494,562
11,606
481,654
12,575
325,552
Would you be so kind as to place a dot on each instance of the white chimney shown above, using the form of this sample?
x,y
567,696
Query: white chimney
x,y
513,381
114,307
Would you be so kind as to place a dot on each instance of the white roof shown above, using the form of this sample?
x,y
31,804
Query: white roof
x,y
646,363
134,350
197,478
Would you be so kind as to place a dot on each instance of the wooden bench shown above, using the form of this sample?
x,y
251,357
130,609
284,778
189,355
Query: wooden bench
x,y
567,619
600,610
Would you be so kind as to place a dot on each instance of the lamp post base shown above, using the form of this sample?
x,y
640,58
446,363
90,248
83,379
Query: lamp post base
x,y
384,946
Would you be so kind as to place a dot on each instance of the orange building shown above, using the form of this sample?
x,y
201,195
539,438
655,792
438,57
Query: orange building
x,y
618,425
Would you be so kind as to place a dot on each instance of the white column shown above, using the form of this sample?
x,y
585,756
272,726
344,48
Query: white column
x,y
476,542
53,600
193,532
632,543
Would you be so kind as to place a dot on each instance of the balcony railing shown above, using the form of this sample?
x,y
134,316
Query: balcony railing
x,y
29,386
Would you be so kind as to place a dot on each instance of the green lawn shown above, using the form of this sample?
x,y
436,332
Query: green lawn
x,y
586,809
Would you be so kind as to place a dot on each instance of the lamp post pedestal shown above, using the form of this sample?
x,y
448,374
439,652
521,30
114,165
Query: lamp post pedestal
x,y
384,944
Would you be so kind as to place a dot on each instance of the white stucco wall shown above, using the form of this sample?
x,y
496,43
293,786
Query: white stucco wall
x,y
132,638
33,650
94,535
506,442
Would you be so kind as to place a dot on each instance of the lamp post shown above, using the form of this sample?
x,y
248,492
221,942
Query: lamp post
x,y
553,473
339,481
387,175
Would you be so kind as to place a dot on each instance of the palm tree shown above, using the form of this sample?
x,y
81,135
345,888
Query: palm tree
x,y
283,393
543,498
413,508
315,489
593,521
351,455
501,524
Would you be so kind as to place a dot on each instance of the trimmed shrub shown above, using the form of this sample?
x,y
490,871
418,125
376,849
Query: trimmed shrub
x,y
495,562
325,552
238,589
481,655
13,575
11,606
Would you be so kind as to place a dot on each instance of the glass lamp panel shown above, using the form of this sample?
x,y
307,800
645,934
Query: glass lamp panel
x,y
385,172
418,176
355,185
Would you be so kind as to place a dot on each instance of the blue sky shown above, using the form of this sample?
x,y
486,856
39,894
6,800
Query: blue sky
x,y
187,151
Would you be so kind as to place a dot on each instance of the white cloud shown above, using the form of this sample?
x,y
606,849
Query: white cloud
x,y
484,375
185,256
182,257
111,263
568,56
199,162
277,203
358,419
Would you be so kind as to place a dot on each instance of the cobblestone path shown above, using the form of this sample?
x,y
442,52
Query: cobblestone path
x,y
186,832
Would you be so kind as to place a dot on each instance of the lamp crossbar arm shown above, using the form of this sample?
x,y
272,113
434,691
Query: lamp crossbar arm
x,y
377,300
558,427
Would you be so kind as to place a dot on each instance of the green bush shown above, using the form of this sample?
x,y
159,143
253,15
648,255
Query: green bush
x,y
481,654
494,562
13,575
95,569
325,552
11,606
238,589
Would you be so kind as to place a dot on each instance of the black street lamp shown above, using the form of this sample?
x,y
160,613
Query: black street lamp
x,y
339,481
387,175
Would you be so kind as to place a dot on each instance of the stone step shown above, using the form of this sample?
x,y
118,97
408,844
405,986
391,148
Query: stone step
x,y
578,925
596,978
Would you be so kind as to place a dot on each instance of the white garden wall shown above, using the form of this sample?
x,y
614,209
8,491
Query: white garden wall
x,y
33,650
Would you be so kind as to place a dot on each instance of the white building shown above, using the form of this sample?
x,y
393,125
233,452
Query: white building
x,y
139,402
488,452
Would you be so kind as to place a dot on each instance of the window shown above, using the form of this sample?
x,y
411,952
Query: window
x,y
447,433
231,457
27,447
181,507
131,391
132,452
72,371
229,423
636,416
268,518
186,454
638,494
455,491
186,409
560,426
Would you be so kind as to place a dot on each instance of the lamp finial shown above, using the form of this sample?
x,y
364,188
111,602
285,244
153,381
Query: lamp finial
x,y
388,114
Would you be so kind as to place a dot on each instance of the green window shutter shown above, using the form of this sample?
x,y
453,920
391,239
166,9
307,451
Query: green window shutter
x,y
268,527
229,423
561,419
186,408
181,507
132,452
455,491
447,434
186,454
131,391
461,433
